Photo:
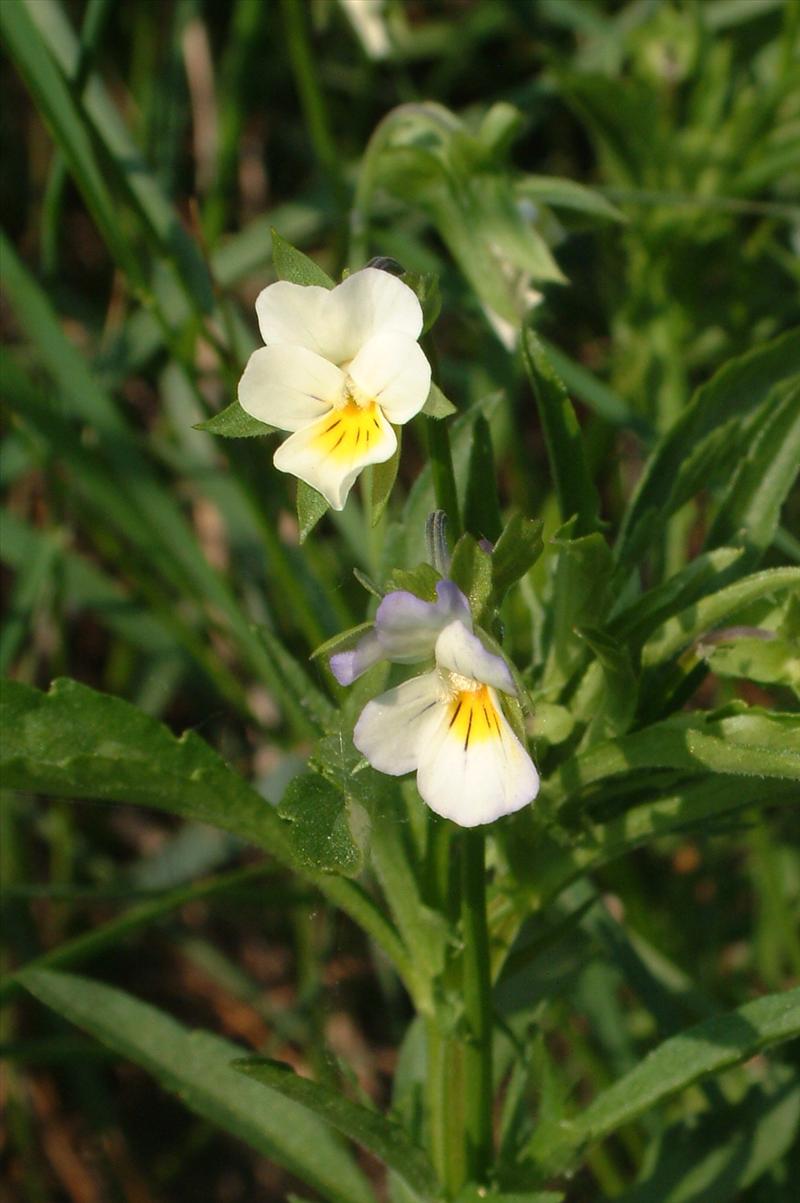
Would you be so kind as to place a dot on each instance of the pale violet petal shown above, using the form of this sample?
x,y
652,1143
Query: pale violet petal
x,y
392,369
348,666
491,776
407,627
309,454
289,387
459,651
393,725
298,315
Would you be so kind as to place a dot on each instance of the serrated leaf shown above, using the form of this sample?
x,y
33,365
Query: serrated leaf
x,y
708,1047
380,1136
292,265
233,422
383,477
575,490
322,833
515,552
197,1067
437,405
311,506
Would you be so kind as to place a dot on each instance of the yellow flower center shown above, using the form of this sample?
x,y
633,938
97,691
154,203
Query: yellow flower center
x,y
349,431
472,717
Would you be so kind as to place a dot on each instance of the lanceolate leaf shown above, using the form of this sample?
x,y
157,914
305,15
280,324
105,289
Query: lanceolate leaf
x,y
197,1067
707,1048
235,423
371,1130
736,390
311,506
293,265
577,496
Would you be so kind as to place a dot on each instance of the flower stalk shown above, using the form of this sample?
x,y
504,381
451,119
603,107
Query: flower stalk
x,y
477,988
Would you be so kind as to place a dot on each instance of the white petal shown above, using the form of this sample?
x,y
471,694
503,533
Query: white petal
x,y
392,369
348,666
289,387
407,627
317,455
458,650
372,300
298,315
394,725
479,779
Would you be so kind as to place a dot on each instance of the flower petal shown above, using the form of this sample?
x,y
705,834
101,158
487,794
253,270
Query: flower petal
x,y
407,627
330,453
348,666
298,315
336,322
458,650
289,387
372,300
392,369
473,769
394,725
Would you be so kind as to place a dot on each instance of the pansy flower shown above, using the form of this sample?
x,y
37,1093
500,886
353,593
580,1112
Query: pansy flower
x,y
340,368
447,724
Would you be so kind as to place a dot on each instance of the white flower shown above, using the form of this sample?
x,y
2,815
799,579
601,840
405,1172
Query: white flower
x,y
339,368
448,725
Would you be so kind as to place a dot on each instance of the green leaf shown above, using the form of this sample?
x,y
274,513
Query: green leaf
x,y
480,1194
482,516
738,740
311,506
292,265
384,1139
383,477
321,825
425,285
678,632
196,1066
421,581
708,1048
56,104
566,194
341,642
75,743
577,496
581,598
608,693
732,394
235,423
319,713
515,552
437,405
750,510
767,660
471,569
718,1155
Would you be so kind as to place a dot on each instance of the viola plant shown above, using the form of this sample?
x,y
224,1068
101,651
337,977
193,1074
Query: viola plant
x,y
467,802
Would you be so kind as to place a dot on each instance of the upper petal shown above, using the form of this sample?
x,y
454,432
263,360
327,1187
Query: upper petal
x,y
394,725
472,768
459,651
372,300
391,368
407,627
298,315
330,453
288,387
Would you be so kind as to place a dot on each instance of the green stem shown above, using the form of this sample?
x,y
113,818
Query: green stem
x,y
445,1098
477,1008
